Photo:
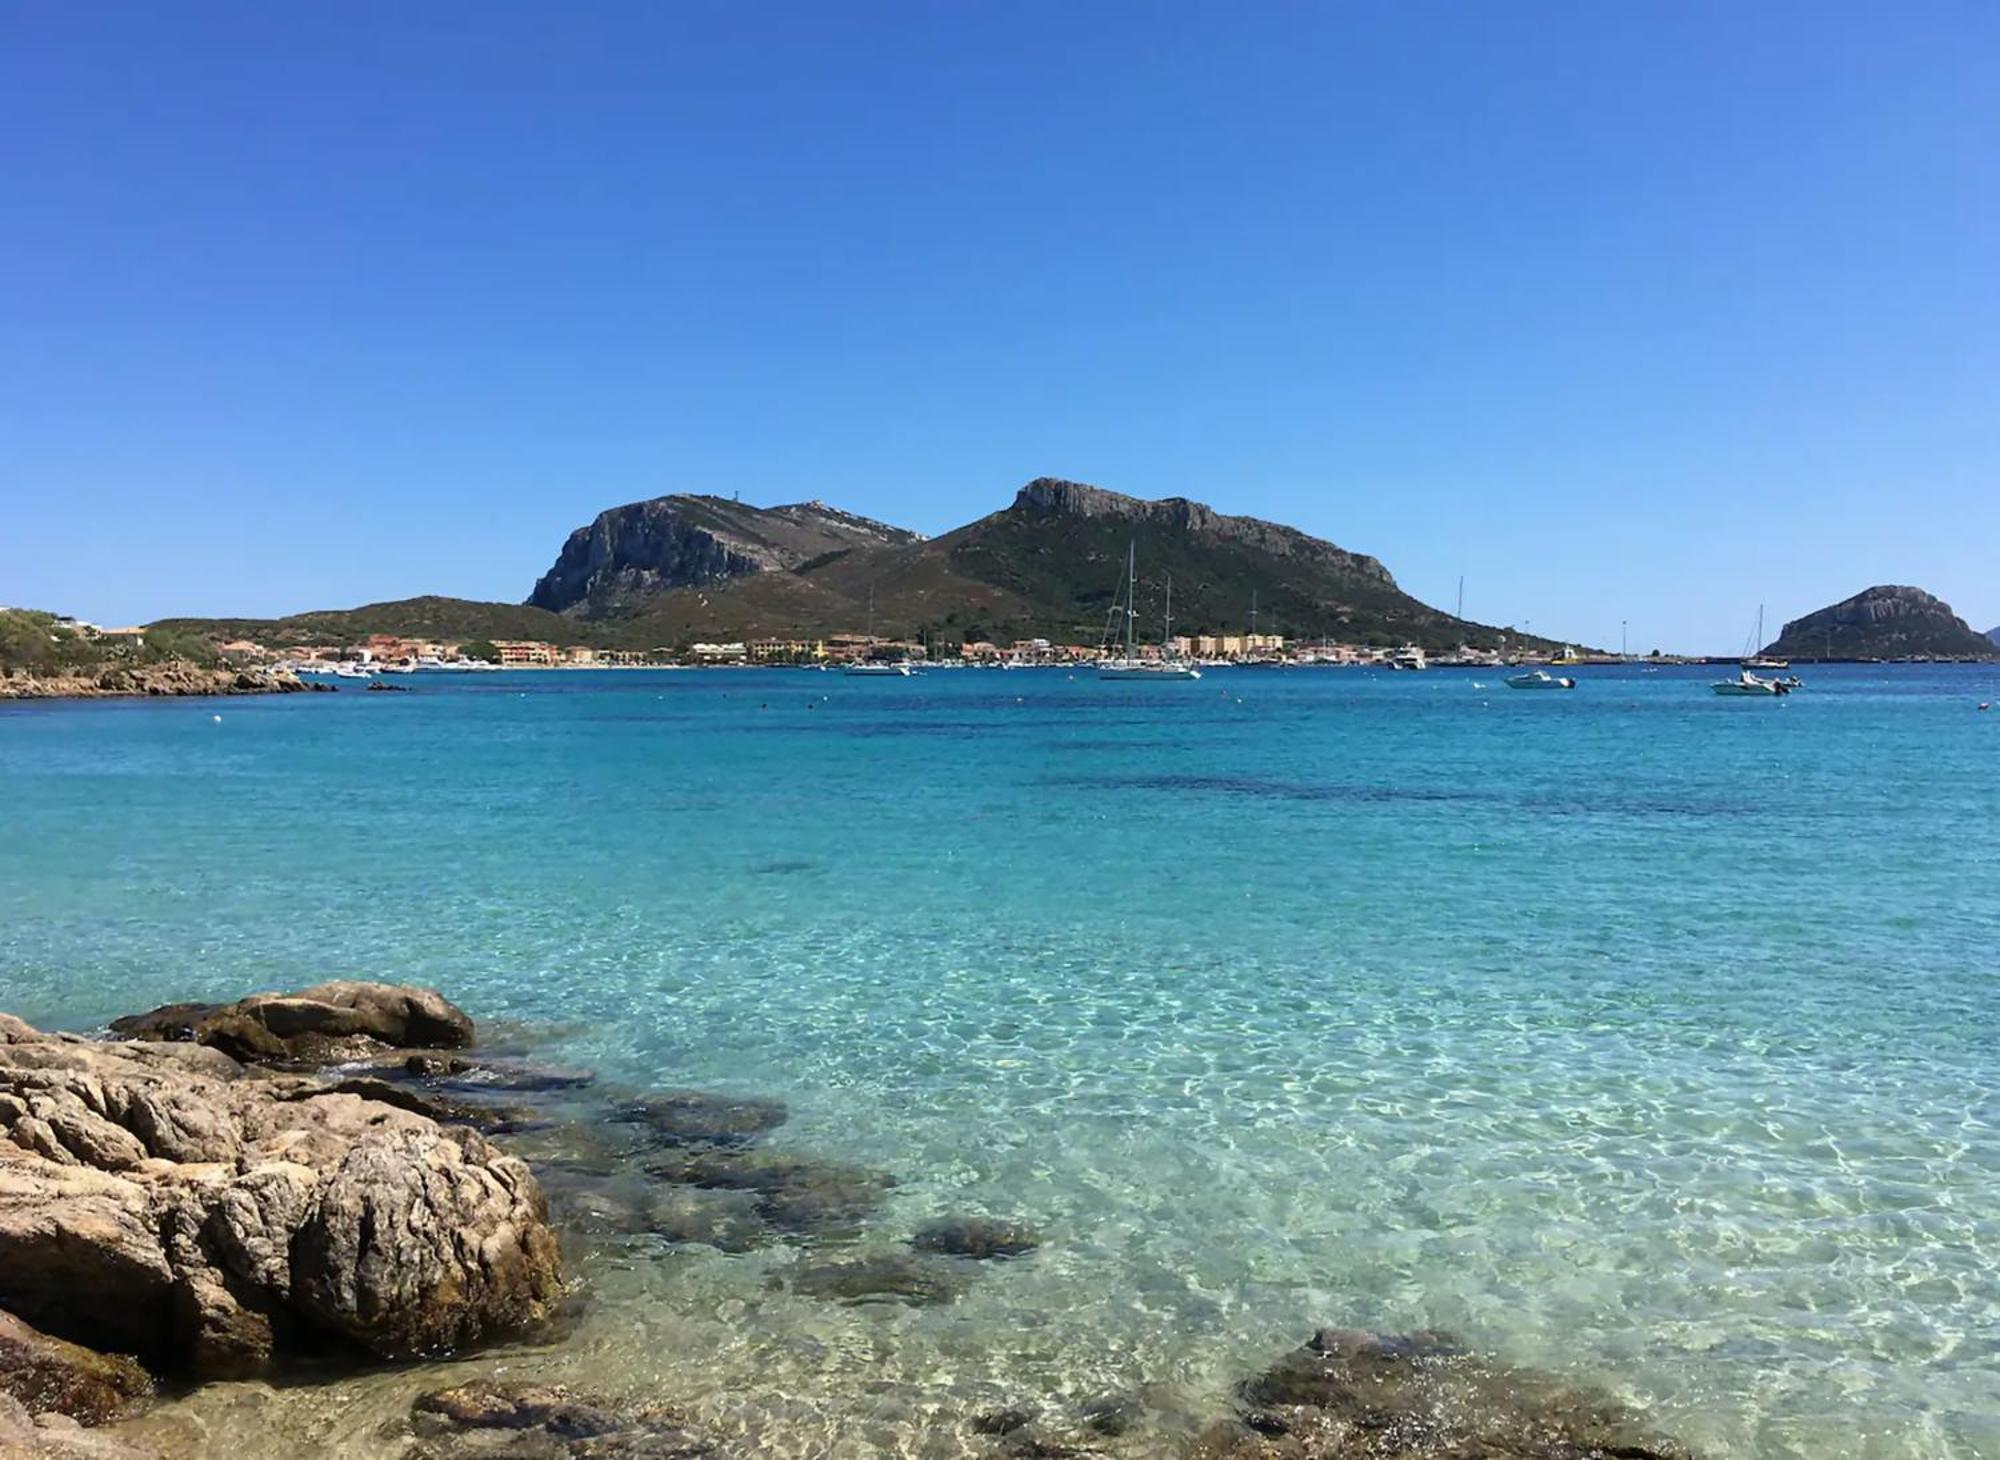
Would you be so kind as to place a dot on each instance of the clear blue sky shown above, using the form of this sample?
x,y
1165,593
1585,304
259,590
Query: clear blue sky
x,y
1625,311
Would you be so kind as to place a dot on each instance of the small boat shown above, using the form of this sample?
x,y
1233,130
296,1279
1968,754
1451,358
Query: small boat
x,y
1540,679
1130,665
1568,656
1747,683
352,671
877,670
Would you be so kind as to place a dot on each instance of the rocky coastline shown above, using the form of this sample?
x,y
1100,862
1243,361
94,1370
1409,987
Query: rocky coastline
x,y
174,678
301,1186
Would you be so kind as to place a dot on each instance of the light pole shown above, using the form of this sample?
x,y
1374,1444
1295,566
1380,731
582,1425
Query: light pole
x,y
1624,651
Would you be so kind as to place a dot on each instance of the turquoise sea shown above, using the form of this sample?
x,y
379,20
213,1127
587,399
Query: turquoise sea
x,y
1634,1033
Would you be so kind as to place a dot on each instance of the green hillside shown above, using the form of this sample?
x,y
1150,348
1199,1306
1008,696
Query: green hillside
x,y
428,617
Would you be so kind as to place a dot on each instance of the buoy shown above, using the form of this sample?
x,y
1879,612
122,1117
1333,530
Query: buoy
x,y
218,718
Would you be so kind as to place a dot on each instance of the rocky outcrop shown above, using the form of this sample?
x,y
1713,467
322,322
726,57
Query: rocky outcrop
x,y
175,678
1885,622
1352,1395
496,1421
686,541
342,1020
162,1199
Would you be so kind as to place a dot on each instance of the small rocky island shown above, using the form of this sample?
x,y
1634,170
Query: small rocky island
x,y
301,1186
1884,622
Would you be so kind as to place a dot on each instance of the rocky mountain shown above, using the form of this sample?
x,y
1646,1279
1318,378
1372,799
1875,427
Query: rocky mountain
x,y
1994,635
634,552
1885,622
1048,565
681,569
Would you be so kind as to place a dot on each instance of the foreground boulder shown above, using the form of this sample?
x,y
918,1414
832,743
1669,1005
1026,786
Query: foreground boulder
x,y
490,1421
1352,1395
52,1376
325,1024
162,1200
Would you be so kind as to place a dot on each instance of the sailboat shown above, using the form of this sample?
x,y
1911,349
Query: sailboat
x,y
1131,666
1755,659
875,668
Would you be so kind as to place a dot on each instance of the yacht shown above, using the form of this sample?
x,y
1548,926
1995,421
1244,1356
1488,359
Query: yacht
x,y
1408,657
1130,665
1539,679
876,669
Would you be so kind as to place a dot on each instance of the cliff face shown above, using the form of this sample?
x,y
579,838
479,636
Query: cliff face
x,y
1054,497
633,552
1885,622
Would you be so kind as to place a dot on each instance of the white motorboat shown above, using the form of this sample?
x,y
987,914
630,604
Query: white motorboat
x,y
1408,657
1540,679
1747,683
874,670
1130,666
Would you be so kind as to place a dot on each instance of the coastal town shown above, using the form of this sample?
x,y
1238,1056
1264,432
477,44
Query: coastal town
x,y
392,653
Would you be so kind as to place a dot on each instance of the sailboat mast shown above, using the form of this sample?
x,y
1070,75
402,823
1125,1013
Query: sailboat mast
x,y
1131,600
1167,631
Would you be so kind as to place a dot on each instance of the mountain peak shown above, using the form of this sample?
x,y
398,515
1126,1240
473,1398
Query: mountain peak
x,y
1056,497
1888,621
689,540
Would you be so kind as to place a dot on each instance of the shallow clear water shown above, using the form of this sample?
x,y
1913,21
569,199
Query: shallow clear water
x,y
1636,1033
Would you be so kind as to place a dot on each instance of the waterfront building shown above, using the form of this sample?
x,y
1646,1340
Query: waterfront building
x,y
525,652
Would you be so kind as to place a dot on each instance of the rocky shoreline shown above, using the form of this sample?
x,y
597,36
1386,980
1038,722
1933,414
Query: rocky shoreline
x,y
173,679
303,1185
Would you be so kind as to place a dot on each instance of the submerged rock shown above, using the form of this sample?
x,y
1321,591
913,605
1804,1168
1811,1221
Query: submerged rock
x,y
160,1200
731,1221
1352,1395
890,1277
321,1025
493,1421
977,1237
473,1076
51,1375
698,1118
796,1195
58,1437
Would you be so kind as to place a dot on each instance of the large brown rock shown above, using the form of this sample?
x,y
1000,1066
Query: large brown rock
x,y
329,1022
161,1199
51,1375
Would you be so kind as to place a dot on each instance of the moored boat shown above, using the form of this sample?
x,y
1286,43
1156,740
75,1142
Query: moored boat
x,y
1539,679
1130,666
1747,683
